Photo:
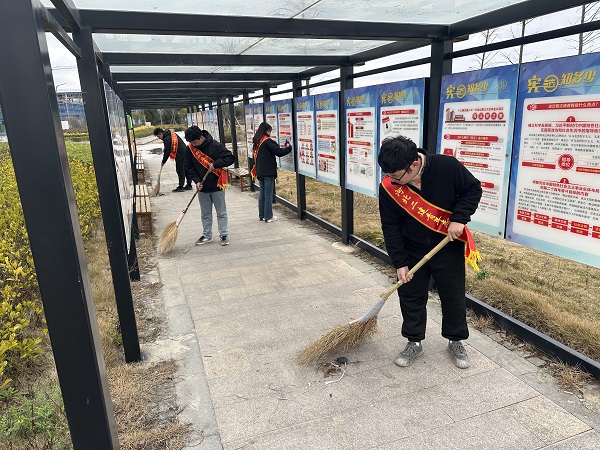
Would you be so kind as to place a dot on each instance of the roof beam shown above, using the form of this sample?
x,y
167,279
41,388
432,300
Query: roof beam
x,y
174,59
69,12
137,22
178,76
52,26
200,86
511,14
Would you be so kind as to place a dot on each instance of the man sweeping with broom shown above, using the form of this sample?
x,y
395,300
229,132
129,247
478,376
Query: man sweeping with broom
x,y
423,198
174,148
208,155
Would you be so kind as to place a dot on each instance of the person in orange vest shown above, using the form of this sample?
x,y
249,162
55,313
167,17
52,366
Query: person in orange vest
x,y
265,150
174,149
205,154
422,199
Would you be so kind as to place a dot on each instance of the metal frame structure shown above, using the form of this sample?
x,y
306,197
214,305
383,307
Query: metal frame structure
x,y
51,215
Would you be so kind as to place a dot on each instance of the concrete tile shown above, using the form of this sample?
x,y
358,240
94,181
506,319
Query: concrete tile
x,y
476,395
543,418
481,432
589,440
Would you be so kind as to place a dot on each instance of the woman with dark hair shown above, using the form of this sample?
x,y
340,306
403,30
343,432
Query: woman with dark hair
x,y
264,151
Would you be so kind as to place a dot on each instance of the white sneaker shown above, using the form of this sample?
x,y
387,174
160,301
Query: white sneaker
x,y
272,219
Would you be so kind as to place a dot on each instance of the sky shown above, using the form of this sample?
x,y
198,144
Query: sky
x,y
67,79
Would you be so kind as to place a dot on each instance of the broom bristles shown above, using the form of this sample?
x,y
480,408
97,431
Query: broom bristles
x,y
341,337
155,190
168,238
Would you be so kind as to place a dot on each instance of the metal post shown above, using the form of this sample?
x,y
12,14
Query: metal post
x,y
346,82
236,161
300,179
132,259
220,124
108,189
267,98
250,160
439,68
50,214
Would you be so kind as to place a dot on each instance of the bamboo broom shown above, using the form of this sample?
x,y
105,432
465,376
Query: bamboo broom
x,y
169,235
156,189
356,331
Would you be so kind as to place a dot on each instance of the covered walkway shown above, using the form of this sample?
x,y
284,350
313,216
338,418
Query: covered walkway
x,y
237,315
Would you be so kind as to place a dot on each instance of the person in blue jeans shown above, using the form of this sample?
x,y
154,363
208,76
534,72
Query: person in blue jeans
x,y
204,154
265,150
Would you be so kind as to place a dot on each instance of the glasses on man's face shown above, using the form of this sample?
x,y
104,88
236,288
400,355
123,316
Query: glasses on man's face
x,y
397,179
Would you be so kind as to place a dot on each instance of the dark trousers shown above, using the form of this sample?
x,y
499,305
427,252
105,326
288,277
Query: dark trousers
x,y
180,169
448,271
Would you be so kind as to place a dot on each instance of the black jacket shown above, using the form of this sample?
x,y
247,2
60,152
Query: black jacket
x,y
447,184
180,147
221,158
266,164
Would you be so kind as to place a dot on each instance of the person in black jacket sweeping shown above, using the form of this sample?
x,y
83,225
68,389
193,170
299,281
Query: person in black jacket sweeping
x,y
423,198
205,154
174,149
264,152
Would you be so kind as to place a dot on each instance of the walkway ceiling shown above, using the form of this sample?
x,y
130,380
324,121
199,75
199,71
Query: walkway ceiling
x,y
182,53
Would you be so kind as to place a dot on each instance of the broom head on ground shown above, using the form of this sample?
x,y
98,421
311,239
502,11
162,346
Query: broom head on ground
x,y
169,235
156,189
353,333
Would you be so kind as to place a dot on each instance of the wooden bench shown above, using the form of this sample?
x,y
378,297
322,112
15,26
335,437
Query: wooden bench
x,y
143,209
139,168
240,173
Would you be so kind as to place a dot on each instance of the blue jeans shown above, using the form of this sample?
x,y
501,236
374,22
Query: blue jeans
x,y
207,199
265,198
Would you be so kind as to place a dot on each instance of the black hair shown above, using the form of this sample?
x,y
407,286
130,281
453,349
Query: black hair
x,y
263,129
397,153
194,133
158,131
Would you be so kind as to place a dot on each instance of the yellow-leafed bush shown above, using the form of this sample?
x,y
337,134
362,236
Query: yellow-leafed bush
x,y
22,324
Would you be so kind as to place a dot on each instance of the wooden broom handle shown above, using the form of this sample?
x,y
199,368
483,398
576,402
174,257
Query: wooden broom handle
x,y
196,193
417,266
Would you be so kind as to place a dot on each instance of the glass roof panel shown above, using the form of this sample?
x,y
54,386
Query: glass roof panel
x,y
443,12
143,43
207,69
312,47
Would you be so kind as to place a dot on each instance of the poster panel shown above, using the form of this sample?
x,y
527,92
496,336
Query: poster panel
x,y
118,131
306,138
361,140
284,119
400,111
257,113
554,203
328,137
271,119
477,117
249,119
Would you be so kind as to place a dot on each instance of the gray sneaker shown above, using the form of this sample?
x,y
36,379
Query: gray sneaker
x,y
407,356
203,240
459,354
224,240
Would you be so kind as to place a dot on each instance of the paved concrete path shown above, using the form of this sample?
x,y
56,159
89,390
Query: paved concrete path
x,y
237,316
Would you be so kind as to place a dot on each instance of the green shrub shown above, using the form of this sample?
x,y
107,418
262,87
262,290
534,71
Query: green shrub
x,y
22,325
35,417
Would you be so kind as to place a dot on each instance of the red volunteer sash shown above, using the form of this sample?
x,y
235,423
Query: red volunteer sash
x,y
206,161
255,156
433,217
174,145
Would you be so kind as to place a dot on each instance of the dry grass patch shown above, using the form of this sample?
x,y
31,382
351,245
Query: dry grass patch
x,y
556,296
143,395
